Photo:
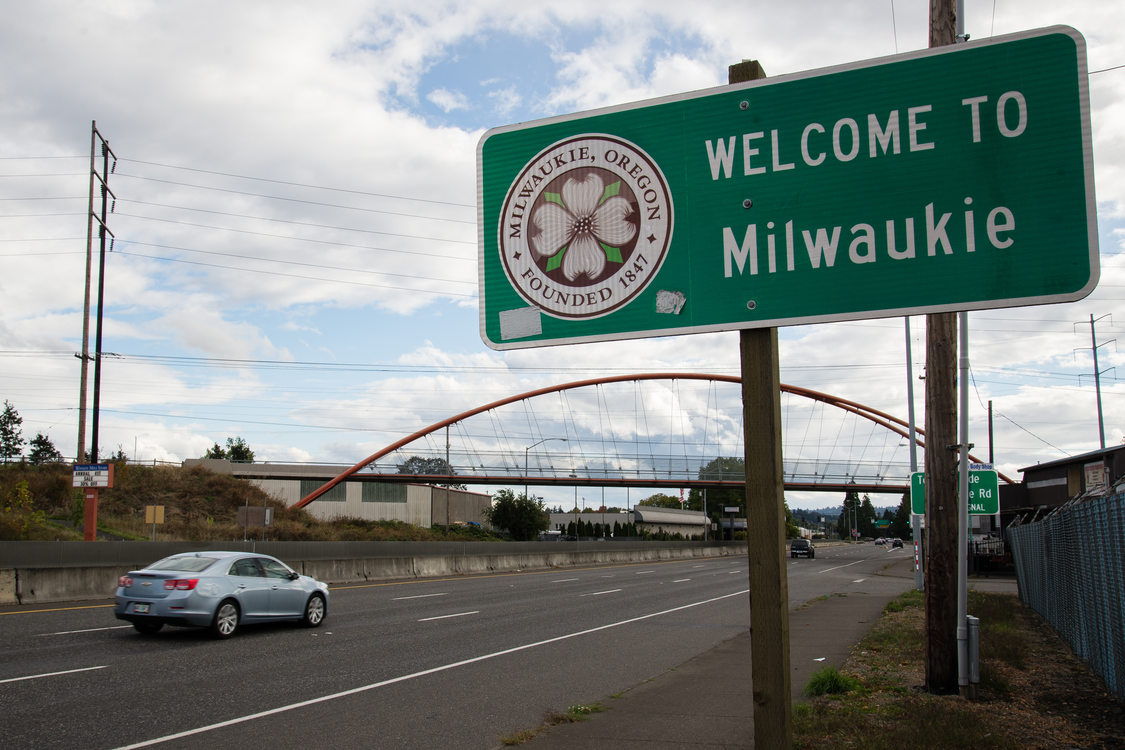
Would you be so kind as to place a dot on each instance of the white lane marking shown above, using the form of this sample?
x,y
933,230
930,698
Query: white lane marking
x,y
826,570
565,580
89,630
729,572
681,580
642,572
423,673
50,674
418,596
859,580
446,617
599,593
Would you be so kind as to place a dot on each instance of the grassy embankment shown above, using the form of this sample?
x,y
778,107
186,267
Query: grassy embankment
x,y
39,503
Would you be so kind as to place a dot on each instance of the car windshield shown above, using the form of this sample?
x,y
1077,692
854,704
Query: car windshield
x,y
187,563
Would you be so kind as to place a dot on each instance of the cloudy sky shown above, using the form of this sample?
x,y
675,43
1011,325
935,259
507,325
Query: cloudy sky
x,y
295,252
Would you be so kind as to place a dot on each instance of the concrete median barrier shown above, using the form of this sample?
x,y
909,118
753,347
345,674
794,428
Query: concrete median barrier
x,y
38,572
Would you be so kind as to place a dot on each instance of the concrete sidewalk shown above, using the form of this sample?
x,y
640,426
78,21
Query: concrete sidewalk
x,y
706,702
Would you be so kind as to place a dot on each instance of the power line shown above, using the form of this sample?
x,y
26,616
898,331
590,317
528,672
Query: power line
x,y
298,276
248,193
302,263
444,256
309,224
290,237
300,184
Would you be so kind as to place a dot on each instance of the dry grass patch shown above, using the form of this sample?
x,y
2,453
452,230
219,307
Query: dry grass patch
x,y
1034,692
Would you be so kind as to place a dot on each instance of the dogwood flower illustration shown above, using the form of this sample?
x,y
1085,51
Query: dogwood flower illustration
x,y
583,228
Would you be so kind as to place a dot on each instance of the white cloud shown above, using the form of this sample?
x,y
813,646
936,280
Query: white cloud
x,y
448,101
381,269
504,100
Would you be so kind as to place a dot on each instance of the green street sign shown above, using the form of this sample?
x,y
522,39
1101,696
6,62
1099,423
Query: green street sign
x,y
954,178
918,493
984,493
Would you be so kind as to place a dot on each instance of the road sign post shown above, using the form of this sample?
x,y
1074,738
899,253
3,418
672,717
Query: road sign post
x,y
938,180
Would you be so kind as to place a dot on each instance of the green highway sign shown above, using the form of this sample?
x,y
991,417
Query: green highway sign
x,y
953,178
984,493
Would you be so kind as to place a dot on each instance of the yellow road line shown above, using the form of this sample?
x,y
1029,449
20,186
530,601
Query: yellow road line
x,y
56,609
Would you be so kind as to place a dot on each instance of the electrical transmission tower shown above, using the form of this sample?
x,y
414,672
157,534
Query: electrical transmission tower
x,y
98,179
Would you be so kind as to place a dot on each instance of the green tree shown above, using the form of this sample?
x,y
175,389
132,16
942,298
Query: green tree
x,y
791,530
729,468
521,516
11,437
43,451
867,517
849,515
900,526
237,450
419,466
660,500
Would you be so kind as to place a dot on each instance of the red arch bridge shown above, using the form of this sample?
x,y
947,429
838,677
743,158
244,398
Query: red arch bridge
x,y
653,430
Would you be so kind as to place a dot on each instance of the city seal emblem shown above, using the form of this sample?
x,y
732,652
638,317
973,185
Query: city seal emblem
x,y
585,226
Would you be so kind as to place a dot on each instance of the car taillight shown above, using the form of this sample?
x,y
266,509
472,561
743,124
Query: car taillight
x,y
180,584
124,582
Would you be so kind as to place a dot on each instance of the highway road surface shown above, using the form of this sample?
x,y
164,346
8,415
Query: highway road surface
x,y
434,663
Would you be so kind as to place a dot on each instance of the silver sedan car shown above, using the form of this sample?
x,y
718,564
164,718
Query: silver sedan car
x,y
219,591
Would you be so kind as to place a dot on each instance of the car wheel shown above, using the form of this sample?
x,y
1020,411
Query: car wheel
x,y
226,620
315,610
148,628
812,555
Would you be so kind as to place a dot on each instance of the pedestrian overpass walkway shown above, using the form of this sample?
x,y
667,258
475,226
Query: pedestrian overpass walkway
x,y
651,430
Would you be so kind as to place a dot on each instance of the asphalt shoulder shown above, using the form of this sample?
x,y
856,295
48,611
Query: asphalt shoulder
x,y
707,702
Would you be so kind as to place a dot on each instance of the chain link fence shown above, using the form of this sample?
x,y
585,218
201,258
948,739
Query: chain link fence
x,y
1071,570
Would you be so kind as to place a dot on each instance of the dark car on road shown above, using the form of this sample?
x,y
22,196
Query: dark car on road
x,y
802,547
219,591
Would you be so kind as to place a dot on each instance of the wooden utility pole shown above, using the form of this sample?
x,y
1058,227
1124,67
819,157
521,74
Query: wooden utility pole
x,y
941,460
765,520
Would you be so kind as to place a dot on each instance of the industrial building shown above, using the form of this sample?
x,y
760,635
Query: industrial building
x,y
418,504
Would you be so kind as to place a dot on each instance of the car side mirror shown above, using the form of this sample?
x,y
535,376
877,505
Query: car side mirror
x,y
294,575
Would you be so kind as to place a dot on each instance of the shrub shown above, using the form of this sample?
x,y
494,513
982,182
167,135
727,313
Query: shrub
x,y
830,681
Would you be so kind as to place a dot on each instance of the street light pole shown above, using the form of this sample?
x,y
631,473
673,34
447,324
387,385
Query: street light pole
x,y
525,452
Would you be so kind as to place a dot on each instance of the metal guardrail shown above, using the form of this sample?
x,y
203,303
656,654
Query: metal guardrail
x,y
1071,570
